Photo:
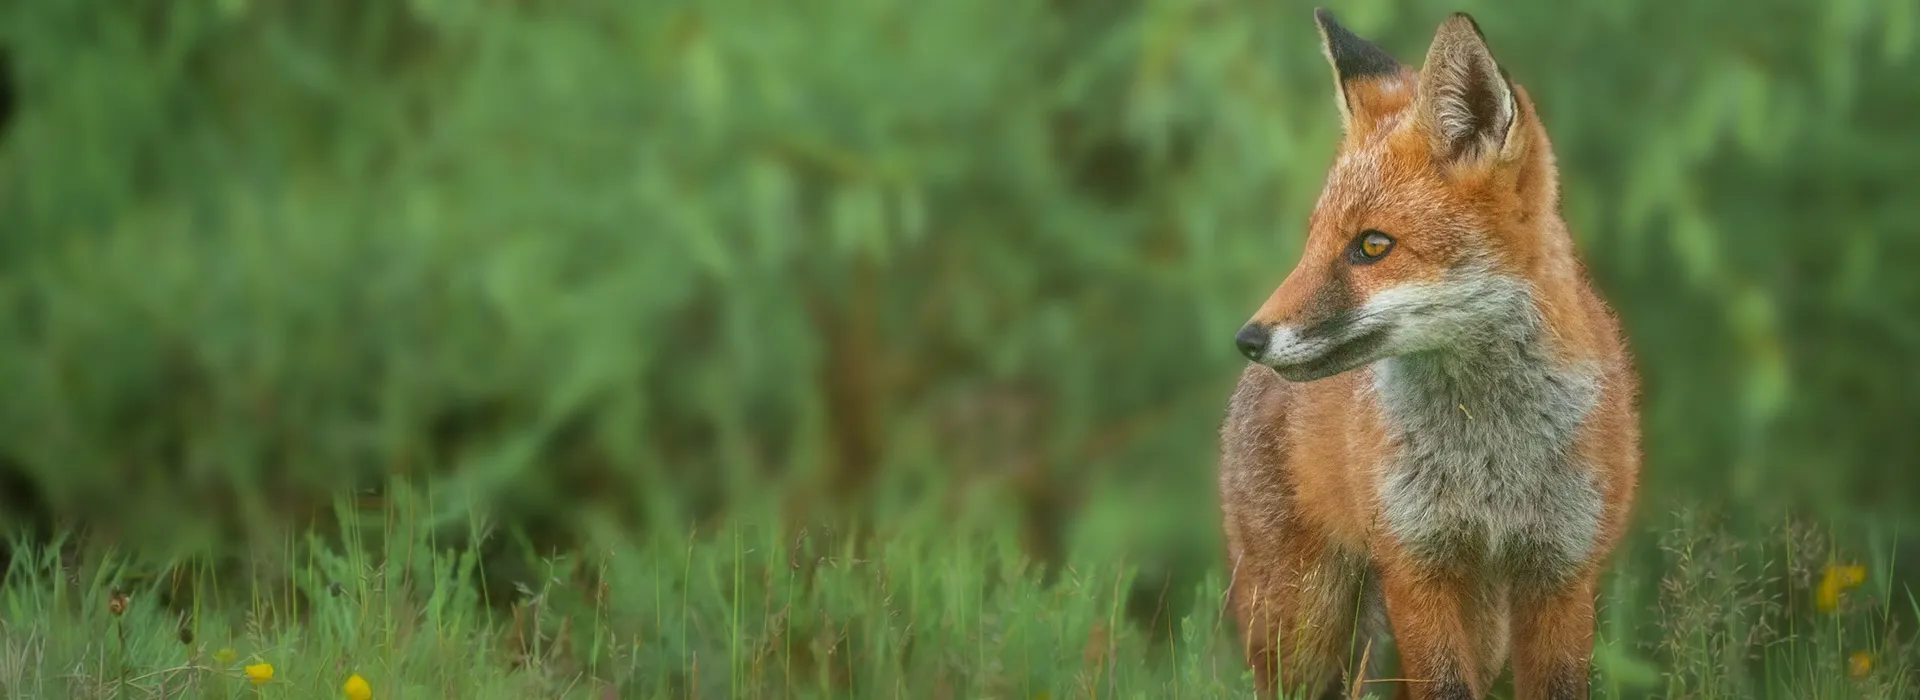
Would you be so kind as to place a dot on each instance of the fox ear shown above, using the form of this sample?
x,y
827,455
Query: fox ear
x,y
1466,100
1364,75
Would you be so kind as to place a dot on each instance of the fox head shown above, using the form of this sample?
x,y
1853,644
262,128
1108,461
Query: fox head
x,y
1442,199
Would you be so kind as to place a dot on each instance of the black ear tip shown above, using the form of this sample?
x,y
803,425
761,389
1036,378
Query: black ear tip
x,y
1328,25
1353,57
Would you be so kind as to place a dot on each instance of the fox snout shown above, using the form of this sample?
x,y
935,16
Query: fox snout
x,y
1252,340
1317,351
1315,325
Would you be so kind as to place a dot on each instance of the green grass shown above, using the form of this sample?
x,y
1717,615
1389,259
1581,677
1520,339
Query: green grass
x,y
944,605
738,612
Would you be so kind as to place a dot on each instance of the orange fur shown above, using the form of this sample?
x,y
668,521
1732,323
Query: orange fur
x,y
1307,522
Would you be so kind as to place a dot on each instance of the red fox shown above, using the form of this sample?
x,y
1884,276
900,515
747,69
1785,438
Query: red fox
x,y
1437,436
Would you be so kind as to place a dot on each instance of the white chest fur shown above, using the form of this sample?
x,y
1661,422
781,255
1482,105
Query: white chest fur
x,y
1484,473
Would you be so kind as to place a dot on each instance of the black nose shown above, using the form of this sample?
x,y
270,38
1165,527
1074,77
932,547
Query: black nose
x,y
1252,340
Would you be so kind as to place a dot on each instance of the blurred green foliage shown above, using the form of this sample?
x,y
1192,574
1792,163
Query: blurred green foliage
x,y
641,262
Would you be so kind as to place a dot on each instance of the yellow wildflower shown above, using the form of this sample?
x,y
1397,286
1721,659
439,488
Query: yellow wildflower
x,y
357,688
1860,664
225,656
1854,575
1836,581
260,673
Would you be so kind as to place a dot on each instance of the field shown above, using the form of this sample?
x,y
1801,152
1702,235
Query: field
x,y
916,608
526,348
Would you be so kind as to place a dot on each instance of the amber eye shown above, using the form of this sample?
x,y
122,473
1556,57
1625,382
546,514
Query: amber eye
x,y
1371,246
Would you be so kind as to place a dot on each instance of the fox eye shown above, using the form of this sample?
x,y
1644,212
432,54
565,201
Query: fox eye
x,y
1370,247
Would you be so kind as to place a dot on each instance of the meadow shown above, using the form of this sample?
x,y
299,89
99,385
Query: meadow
x,y
909,609
526,349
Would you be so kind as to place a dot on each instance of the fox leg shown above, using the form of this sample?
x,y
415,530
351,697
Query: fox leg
x,y
1435,621
1553,641
1296,610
